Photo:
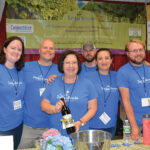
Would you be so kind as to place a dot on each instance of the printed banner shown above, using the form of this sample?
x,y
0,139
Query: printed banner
x,y
76,23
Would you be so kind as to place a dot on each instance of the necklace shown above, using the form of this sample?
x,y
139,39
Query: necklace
x,y
105,98
44,76
15,84
66,92
143,80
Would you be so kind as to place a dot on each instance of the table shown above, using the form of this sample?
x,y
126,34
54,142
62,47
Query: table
x,y
131,147
121,147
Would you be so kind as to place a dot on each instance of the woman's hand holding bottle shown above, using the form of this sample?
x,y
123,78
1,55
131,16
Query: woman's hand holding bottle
x,y
58,106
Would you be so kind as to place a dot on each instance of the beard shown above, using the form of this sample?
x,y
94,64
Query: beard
x,y
89,60
137,62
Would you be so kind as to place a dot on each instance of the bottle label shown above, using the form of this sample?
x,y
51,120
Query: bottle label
x,y
126,129
69,122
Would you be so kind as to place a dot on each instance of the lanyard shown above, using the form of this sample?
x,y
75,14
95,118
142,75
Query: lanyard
x,y
143,80
72,88
105,98
44,77
16,85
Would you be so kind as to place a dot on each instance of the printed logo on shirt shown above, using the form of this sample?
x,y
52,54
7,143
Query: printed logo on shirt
x,y
108,88
39,78
67,97
143,81
16,83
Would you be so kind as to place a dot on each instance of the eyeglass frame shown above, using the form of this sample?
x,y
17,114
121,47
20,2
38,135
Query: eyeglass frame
x,y
136,50
70,63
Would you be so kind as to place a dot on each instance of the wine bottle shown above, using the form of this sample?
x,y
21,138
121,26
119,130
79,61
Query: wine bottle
x,y
68,123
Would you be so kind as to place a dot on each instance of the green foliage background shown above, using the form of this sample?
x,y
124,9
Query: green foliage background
x,y
55,10
112,12
39,9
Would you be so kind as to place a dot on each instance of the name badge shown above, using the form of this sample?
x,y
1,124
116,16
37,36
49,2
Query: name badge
x,y
104,118
17,104
41,90
145,102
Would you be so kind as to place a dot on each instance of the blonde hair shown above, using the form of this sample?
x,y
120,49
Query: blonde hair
x,y
133,41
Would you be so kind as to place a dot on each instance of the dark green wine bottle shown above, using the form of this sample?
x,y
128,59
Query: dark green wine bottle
x,y
69,125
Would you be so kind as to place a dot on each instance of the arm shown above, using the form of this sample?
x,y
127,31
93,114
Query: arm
x,y
92,108
47,107
125,95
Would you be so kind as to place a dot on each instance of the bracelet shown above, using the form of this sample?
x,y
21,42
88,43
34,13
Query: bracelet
x,y
82,123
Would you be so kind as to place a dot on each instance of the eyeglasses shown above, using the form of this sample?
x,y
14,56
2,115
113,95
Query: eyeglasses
x,y
70,63
137,50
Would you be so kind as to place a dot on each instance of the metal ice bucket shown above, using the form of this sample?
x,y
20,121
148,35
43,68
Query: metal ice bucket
x,y
91,140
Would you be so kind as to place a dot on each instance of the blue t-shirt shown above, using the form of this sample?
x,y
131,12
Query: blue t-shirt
x,y
133,78
11,105
85,70
35,75
108,97
78,95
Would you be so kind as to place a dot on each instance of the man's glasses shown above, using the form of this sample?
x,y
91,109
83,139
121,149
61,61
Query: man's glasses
x,y
137,50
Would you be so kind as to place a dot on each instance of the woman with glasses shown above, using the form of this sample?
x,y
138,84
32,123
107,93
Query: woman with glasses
x,y
79,94
108,95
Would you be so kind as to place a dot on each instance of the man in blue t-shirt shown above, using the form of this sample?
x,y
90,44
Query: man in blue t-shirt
x,y
133,80
88,53
36,75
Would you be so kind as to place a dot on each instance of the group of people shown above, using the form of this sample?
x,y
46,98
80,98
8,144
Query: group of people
x,y
29,105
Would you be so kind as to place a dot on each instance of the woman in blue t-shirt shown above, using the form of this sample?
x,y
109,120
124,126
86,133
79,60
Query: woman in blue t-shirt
x,y
11,88
79,93
108,95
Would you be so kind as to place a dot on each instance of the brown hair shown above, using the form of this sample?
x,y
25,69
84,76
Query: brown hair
x,y
104,49
133,41
20,63
62,58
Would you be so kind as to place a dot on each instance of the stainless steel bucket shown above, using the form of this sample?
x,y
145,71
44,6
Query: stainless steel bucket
x,y
91,140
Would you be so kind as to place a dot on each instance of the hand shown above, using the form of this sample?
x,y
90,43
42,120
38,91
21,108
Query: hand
x,y
58,106
147,63
77,124
135,133
51,79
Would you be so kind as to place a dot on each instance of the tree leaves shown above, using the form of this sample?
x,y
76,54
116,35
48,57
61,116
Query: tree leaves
x,y
40,9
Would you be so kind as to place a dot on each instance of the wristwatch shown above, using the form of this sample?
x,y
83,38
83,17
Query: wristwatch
x,y
82,123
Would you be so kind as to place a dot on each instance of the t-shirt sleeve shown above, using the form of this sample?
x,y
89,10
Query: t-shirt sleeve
x,y
92,91
122,79
47,94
